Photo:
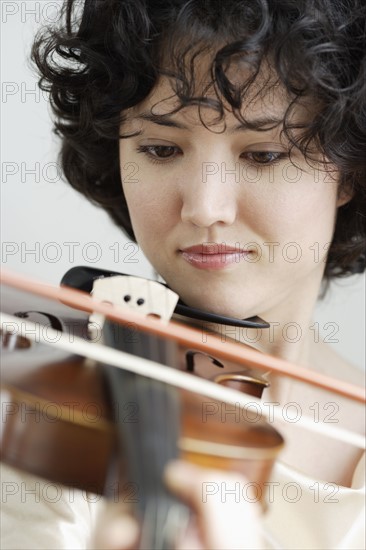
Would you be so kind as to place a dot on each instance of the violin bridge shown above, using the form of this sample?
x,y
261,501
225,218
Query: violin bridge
x,y
147,297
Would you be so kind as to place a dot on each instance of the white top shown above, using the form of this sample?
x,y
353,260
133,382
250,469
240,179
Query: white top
x,y
310,514
303,513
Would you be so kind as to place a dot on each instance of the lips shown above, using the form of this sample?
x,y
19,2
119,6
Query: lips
x,y
213,248
213,255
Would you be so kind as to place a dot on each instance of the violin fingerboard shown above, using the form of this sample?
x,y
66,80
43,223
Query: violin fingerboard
x,y
148,443
149,440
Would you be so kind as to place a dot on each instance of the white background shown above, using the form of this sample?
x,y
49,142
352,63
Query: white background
x,y
41,216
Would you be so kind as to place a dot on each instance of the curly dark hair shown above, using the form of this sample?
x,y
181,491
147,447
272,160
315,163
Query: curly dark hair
x,y
105,56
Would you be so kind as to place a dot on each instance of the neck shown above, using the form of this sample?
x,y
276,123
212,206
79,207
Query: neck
x,y
291,334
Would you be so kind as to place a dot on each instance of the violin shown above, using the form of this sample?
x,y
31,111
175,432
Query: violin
x,y
70,407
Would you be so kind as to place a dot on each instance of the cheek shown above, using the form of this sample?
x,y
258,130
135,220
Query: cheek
x,y
304,211
149,206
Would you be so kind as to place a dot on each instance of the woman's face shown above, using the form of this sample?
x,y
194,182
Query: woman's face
x,y
224,217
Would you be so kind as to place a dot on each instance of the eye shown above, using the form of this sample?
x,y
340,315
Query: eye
x,y
266,157
159,153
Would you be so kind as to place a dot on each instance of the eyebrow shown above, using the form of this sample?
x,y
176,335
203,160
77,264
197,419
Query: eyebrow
x,y
166,120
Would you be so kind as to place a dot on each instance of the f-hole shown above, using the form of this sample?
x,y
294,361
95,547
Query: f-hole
x,y
190,360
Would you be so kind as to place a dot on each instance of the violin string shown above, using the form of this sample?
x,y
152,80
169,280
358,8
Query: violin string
x,y
177,378
164,418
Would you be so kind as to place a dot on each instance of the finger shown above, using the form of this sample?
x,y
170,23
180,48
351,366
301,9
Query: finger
x,y
190,538
115,530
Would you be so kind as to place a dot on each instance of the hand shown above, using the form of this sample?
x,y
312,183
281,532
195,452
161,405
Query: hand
x,y
222,518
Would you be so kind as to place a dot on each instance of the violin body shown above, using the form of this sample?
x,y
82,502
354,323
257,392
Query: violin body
x,y
55,416
60,421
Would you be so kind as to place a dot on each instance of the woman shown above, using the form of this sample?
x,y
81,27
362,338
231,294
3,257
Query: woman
x,y
236,129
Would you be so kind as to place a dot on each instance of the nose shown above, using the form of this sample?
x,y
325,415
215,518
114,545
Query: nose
x,y
209,198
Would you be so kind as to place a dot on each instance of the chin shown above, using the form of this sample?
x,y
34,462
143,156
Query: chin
x,y
230,299
210,302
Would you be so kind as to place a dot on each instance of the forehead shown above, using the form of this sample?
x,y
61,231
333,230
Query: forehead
x,y
264,99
